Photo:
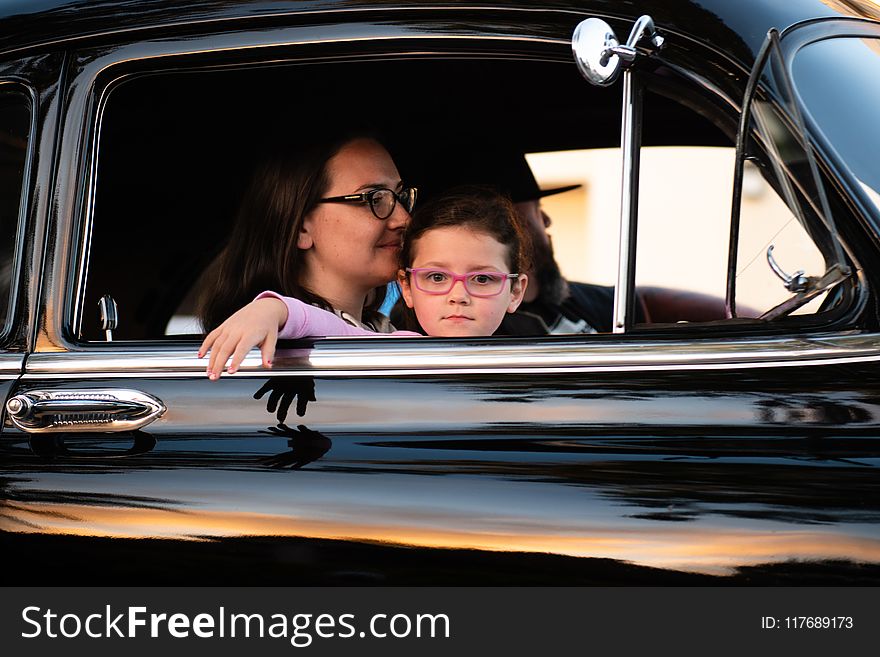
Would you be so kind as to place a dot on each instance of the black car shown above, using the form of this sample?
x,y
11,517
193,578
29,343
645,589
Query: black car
x,y
723,434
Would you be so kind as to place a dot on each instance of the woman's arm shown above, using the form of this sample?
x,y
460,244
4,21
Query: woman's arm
x,y
265,319
304,320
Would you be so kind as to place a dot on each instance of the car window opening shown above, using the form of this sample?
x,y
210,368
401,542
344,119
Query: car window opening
x,y
176,151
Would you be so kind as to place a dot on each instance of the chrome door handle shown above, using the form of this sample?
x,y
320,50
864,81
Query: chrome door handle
x,y
44,411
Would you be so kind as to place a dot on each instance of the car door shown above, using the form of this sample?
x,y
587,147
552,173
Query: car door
x,y
670,455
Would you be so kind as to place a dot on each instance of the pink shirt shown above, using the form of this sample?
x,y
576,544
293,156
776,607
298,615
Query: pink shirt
x,y
305,321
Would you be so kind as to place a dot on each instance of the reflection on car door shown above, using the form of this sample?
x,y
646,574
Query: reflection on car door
x,y
307,467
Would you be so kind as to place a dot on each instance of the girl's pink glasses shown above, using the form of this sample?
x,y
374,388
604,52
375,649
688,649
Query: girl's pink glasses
x,y
433,280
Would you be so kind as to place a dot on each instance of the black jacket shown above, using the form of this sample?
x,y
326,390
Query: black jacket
x,y
588,309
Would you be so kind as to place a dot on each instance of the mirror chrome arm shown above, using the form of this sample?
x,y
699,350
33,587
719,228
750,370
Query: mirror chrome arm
x,y
600,59
630,146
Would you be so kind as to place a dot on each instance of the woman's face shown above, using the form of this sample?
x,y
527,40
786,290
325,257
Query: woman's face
x,y
347,250
460,250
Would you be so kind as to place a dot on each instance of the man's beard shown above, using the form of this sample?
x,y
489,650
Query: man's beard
x,y
552,287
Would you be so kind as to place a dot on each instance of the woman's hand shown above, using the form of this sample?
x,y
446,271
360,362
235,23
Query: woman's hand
x,y
255,325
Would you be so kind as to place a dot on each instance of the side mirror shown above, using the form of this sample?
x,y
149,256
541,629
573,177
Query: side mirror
x,y
592,45
599,55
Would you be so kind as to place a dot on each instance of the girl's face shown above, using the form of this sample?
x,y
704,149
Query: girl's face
x,y
346,248
458,312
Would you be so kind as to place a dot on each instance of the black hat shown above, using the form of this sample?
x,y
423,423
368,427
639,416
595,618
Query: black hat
x,y
514,177
506,171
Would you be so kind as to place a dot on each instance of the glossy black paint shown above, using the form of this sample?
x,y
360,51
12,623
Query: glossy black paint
x,y
447,464
694,475
740,27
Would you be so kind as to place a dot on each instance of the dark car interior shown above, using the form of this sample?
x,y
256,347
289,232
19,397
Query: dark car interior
x,y
176,150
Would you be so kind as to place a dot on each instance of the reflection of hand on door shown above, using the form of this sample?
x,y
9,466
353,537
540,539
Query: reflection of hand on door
x,y
305,446
282,392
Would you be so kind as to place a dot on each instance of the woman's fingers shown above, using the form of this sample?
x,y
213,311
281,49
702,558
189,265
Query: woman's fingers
x,y
211,345
236,345
222,350
268,348
241,347
264,338
255,325
207,343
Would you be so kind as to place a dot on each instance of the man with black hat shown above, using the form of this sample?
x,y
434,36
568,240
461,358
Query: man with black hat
x,y
552,304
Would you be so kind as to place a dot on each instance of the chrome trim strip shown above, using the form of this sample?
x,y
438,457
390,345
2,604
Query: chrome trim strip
x,y
11,365
360,357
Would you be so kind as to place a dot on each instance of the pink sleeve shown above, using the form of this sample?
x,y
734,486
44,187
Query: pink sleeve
x,y
304,320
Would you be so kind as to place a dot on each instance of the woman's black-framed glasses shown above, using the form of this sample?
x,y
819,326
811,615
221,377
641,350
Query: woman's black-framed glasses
x,y
382,201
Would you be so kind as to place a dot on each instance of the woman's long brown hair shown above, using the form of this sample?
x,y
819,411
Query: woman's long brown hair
x,y
261,253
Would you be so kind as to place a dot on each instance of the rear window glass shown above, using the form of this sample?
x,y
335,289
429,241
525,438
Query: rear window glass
x,y
15,120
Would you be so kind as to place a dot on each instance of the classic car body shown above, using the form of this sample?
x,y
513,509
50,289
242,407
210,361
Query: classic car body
x,y
735,450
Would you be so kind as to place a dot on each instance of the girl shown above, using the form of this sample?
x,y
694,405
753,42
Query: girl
x,y
460,271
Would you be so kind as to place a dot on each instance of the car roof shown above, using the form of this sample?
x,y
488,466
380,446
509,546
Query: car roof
x,y
29,24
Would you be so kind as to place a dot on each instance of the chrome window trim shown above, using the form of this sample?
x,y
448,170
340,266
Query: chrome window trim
x,y
156,50
340,357
337,357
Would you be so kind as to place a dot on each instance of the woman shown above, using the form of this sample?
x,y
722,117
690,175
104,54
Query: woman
x,y
322,223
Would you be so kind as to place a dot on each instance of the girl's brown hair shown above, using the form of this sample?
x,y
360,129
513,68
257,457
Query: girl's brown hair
x,y
479,208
